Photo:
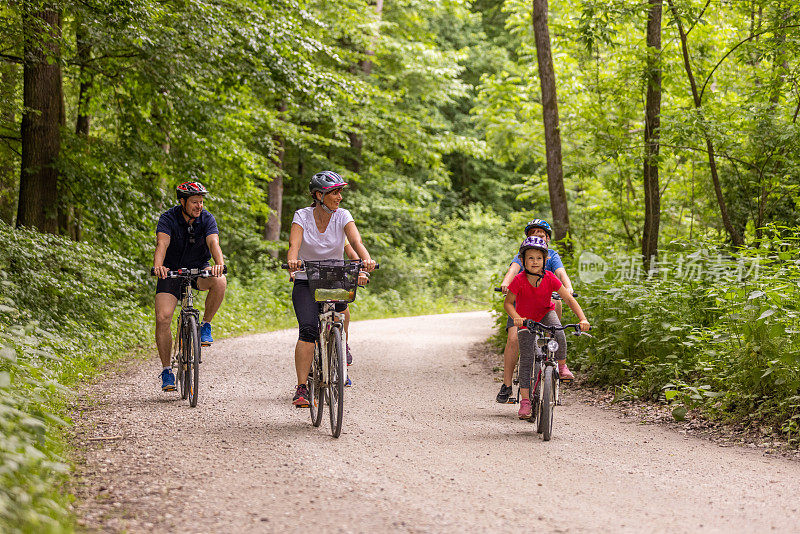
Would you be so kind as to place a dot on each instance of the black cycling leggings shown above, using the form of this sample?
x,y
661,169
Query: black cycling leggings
x,y
307,311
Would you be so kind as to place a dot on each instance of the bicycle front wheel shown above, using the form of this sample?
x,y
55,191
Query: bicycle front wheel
x,y
183,357
548,403
315,390
336,379
192,376
536,397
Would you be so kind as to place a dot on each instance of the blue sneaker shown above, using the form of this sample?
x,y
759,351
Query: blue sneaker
x,y
167,380
205,335
348,383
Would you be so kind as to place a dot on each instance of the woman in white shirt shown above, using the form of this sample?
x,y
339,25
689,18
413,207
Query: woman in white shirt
x,y
318,233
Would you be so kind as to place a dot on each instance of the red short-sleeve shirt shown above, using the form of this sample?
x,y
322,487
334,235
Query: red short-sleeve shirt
x,y
534,302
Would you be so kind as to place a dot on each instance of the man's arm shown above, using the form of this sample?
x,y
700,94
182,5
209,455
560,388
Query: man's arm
x,y
162,243
212,240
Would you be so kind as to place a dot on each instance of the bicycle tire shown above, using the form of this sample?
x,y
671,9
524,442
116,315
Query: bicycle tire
x,y
180,372
336,378
316,392
536,396
548,405
193,360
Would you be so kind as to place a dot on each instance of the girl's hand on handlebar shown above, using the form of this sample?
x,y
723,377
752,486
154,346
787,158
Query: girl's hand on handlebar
x,y
363,278
584,325
518,322
294,265
504,288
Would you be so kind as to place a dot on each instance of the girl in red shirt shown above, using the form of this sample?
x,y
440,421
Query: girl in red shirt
x,y
529,297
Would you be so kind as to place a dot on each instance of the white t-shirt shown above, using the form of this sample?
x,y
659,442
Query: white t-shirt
x,y
328,245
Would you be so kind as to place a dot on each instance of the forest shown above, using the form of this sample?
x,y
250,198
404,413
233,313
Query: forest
x,y
658,137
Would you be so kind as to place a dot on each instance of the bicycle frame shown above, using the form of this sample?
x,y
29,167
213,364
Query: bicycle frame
x,y
328,318
187,309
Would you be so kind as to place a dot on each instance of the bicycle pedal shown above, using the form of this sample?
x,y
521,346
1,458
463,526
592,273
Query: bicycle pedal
x,y
566,380
511,401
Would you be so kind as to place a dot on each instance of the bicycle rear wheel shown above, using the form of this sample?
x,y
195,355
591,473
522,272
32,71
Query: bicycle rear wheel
x,y
192,376
315,390
548,403
336,378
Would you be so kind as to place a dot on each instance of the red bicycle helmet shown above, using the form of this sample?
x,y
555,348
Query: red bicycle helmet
x,y
189,189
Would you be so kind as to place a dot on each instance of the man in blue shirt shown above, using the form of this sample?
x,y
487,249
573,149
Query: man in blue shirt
x,y
186,237
538,228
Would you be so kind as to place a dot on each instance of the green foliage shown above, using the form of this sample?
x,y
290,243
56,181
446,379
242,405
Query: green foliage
x,y
720,335
54,330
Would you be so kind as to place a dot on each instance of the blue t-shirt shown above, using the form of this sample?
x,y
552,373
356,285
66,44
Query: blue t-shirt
x,y
187,245
553,261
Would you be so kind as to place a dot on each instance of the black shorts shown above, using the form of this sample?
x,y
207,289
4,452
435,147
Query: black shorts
x,y
307,311
172,286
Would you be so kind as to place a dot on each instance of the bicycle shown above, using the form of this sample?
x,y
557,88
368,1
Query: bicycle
x,y
515,380
186,360
331,282
545,383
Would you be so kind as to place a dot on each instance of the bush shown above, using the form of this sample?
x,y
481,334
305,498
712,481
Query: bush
x,y
724,341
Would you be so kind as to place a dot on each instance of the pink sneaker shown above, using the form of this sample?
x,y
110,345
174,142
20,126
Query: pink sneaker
x,y
564,373
525,409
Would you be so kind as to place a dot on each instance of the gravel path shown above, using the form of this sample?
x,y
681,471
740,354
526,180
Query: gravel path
x,y
424,449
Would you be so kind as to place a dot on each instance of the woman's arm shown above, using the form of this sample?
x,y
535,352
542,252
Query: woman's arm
x,y
354,237
513,270
295,240
561,273
575,307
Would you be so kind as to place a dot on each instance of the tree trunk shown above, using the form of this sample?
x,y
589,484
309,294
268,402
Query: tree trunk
x,y
552,134
84,51
652,123
8,165
272,231
736,238
41,121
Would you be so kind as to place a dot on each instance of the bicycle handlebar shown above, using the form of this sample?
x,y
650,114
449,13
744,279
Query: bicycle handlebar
x,y
531,325
377,265
554,296
190,273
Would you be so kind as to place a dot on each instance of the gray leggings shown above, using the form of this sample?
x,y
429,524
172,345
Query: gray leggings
x,y
527,350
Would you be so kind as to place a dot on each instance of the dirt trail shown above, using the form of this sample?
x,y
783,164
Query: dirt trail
x,y
424,449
